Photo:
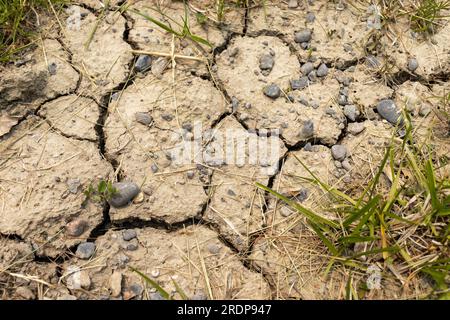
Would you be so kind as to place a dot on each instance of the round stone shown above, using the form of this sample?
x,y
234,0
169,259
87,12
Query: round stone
x,y
266,62
129,234
143,63
143,118
272,91
126,192
299,84
322,71
308,129
307,68
303,36
339,152
76,228
388,110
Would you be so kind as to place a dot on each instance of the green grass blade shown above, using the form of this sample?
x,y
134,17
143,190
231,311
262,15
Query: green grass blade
x,y
431,183
158,23
308,213
356,239
325,240
363,211
153,283
179,290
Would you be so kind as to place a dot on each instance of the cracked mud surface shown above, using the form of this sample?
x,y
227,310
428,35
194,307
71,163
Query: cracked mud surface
x,y
72,115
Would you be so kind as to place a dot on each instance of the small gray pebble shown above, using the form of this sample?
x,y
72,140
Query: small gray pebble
x,y
312,76
266,62
299,84
303,101
322,71
272,91
315,104
308,129
154,168
190,174
234,103
132,245
143,118
143,63
388,110
350,111
129,234
126,191
310,17
303,36
167,117
355,128
156,296
52,68
342,100
413,64
85,250
307,68
214,248
339,152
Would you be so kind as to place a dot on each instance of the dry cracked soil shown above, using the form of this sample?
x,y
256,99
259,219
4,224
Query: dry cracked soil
x,y
83,107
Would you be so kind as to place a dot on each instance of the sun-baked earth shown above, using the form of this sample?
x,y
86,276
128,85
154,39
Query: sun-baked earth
x,y
88,104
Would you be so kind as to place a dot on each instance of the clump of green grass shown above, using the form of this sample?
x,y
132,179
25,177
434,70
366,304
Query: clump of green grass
x,y
415,201
103,192
18,24
428,13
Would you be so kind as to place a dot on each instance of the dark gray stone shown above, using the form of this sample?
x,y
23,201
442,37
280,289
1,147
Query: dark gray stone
x,y
143,63
126,191
388,110
52,68
322,71
266,62
129,234
308,129
342,100
312,76
234,104
272,91
310,17
307,68
339,152
308,147
143,118
303,36
299,84
85,250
